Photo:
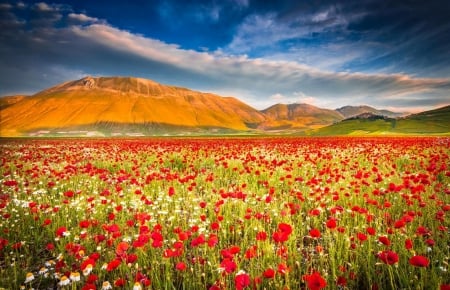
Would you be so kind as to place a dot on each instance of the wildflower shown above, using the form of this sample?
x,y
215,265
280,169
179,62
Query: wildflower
x,y
75,276
29,277
87,270
315,281
64,281
137,286
384,240
419,261
106,285
121,249
283,269
314,233
261,236
408,244
269,273
120,282
331,223
89,286
181,266
113,265
361,237
228,265
388,257
242,280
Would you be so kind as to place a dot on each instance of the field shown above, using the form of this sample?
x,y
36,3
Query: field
x,y
225,213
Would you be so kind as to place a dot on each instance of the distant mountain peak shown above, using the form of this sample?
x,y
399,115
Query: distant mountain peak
x,y
352,111
121,103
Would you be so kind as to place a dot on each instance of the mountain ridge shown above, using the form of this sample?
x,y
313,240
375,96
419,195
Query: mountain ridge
x,y
109,105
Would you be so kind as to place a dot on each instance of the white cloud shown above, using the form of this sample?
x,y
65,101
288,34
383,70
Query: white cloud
x,y
82,17
41,6
257,81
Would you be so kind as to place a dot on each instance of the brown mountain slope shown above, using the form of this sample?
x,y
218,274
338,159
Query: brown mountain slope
x,y
352,111
119,100
7,101
295,116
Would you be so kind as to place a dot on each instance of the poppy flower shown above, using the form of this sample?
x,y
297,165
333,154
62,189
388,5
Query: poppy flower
x,y
89,286
120,282
228,265
331,223
315,281
113,265
283,269
314,233
261,236
171,191
180,266
280,237
419,261
121,249
285,228
408,244
242,280
61,232
384,240
269,273
361,237
388,257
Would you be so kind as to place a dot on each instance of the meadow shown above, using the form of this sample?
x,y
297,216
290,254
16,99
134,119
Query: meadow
x,y
225,213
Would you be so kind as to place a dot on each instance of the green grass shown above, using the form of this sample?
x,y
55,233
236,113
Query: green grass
x,y
430,122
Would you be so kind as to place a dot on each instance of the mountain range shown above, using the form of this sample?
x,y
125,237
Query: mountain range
x,y
119,106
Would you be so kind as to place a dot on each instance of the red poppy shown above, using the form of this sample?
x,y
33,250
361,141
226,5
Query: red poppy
x,y
388,257
261,236
122,248
280,237
242,280
269,273
315,281
131,258
361,237
61,231
213,240
180,266
331,223
419,261
120,282
314,233
283,269
285,228
228,265
384,240
113,265
89,286
408,244
371,231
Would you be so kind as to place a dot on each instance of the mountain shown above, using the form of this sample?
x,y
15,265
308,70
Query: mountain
x,y
298,116
110,104
125,106
7,101
351,111
429,122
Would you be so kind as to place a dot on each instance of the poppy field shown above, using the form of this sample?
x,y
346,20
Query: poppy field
x,y
225,213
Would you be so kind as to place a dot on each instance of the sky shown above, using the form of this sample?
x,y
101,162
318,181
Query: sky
x,y
387,54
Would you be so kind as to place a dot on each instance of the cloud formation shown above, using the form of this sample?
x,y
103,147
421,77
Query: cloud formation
x,y
63,44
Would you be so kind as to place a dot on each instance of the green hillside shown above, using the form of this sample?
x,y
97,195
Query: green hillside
x,y
428,122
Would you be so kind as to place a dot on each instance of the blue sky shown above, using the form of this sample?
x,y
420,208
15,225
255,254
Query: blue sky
x,y
387,54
